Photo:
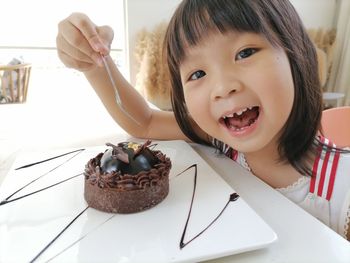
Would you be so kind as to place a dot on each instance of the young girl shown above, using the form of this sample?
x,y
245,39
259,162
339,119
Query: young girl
x,y
244,79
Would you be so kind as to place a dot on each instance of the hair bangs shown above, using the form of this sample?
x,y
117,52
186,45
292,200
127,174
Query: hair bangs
x,y
195,20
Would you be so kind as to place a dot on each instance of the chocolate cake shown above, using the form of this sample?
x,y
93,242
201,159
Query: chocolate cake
x,y
127,178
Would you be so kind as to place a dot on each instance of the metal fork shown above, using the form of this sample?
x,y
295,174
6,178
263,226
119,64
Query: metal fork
x,y
116,91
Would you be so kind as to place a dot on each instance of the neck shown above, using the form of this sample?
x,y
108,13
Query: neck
x,y
266,165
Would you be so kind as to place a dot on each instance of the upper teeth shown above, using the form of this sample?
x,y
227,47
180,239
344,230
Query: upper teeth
x,y
240,112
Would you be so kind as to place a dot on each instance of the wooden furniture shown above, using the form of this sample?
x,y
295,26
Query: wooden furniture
x,y
14,81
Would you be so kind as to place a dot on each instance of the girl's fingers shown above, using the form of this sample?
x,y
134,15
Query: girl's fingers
x,y
76,40
81,42
62,44
72,63
88,30
106,35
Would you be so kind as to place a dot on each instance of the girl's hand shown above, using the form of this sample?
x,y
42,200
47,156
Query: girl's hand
x,y
80,42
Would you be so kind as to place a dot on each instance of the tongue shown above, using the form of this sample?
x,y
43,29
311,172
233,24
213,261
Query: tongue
x,y
243,120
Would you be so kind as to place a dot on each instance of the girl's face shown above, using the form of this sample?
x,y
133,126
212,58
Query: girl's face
x,y
238,88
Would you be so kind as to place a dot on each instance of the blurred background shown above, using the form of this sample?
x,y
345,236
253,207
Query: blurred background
x,y
60,106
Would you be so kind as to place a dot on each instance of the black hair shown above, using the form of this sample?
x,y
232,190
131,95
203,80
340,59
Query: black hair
x,y
279,23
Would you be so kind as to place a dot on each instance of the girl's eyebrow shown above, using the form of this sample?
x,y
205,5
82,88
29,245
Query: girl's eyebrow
x,y
188,65
191,52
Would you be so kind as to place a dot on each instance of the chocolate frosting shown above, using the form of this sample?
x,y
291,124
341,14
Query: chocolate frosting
x,y
126,182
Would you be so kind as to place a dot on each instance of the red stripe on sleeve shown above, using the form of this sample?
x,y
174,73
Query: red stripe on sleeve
x,y
314,174
323,173
234,155
332,177
315,168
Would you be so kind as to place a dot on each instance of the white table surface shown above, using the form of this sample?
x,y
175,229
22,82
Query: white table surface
x,y
301,237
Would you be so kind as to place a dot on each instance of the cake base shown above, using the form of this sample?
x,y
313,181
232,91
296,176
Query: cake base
x,y
114,200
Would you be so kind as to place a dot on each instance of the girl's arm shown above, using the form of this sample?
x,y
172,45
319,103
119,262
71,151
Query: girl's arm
x,y
80,44
155,124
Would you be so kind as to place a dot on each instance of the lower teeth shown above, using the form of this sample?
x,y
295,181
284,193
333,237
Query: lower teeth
x,y
240,129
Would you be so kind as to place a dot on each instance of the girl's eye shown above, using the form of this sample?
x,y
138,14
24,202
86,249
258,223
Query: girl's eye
x,y
245,53
197,75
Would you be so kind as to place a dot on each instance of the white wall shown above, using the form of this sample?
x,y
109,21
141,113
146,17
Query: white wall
x,y
146,13
316,13
33,23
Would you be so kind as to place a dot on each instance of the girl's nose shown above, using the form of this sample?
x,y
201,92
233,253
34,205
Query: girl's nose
x,y
226,86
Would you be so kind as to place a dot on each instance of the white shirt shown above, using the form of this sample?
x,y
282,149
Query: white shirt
x,y
326,195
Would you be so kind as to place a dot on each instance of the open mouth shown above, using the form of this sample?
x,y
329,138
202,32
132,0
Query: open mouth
x,y
242,119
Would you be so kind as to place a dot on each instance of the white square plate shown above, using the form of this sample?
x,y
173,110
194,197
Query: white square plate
x,y
29,224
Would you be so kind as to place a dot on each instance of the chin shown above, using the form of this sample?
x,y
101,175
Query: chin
x,y
252,145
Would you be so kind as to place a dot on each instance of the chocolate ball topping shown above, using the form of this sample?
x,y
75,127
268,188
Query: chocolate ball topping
x,y
128,158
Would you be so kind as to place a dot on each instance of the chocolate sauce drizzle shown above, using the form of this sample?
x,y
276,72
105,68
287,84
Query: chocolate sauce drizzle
x,y
59,234
80,238
46,160
7,199
233,197
4,202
